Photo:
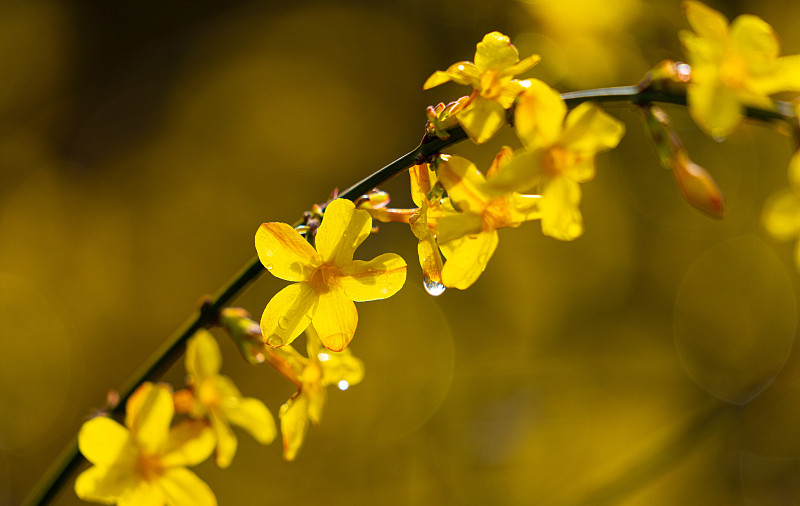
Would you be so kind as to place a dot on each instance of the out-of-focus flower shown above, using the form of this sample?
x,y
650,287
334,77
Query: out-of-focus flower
x,y
315,373
144,462
327,280
469,238
781,214
559,154
215,397
732,67
492,78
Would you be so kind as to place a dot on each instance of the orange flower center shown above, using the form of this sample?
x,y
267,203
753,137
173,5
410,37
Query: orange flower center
x,y
324,277
495,215
555,160
148,466
208,393
733,71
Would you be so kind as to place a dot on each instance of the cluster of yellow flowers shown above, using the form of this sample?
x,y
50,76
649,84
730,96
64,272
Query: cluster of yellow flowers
x,y
458,213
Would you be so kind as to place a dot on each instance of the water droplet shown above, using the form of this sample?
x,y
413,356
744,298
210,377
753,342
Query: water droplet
x,y
343,385
370,270
483,259
323,357
433,287
718,138
269,252
283,323
259,357
384,290
269,267
275,340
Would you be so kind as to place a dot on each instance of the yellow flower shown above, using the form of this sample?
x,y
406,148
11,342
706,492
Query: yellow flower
x,y
491,76
468,239
215,397
144,463
424,222
559,153
781,215
732,67
315,373
327,280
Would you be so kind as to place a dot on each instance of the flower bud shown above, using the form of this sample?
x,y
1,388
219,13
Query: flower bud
x,y
697,186
246,333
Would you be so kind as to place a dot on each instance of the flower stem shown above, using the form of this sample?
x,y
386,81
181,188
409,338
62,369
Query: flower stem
x,y
173,348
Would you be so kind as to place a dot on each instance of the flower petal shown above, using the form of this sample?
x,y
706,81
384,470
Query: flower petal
x,y
190,443
226,442
284,252
522,208
590,130
539,115
456,226
422,181
335,319
755,41
377,279
522,173
561,217
501,158
145,494
482,118
203,358
294,424
181,487
495,52
463,72
341,366
102,440
105,484
288,314
253,416
523,65
464,183
467,258
343,228
705,21
715,108
148,415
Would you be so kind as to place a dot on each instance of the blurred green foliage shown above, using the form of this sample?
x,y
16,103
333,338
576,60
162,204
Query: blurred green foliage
x,y
141,145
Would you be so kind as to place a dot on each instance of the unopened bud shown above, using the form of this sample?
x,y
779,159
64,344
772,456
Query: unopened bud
x,y
246,333
697,186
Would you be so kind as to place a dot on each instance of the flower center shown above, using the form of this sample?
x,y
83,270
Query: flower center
x,y
495,215
324,277
555,160
149,466
312,372
208,393
733,71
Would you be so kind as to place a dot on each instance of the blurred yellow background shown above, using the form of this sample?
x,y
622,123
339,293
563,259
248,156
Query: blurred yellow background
x,y
142,143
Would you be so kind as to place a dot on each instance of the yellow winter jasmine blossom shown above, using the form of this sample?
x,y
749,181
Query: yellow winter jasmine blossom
x,y
492,78
315,373
144,463
732,67
559,154
215,397
327,280
469,239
